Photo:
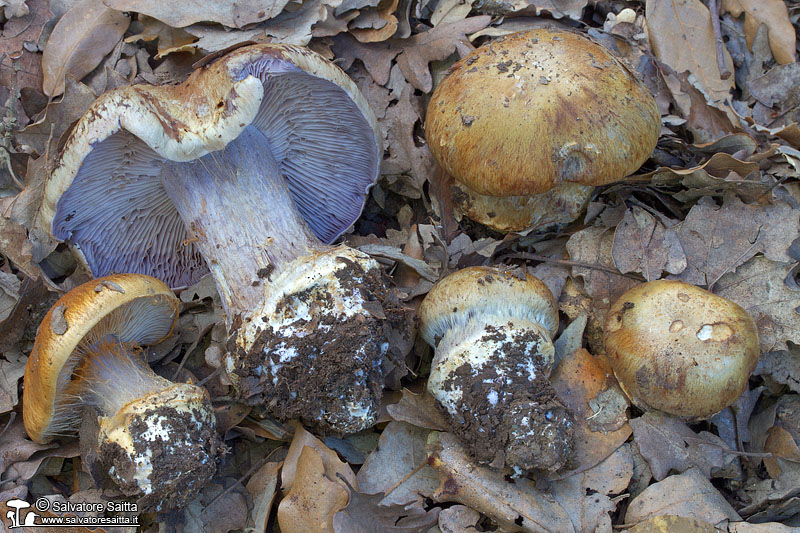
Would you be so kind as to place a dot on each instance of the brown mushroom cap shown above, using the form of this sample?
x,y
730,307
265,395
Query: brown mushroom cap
x,y
534,109
680,349
483,291
136,309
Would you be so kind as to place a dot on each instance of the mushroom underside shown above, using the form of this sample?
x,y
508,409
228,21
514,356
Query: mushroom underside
x,y
118,216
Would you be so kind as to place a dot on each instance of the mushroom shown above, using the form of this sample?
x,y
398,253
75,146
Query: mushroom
x,y
157,438
680,349
529,123
492,332
249,168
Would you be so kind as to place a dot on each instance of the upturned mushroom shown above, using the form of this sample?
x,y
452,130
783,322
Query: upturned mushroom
x,y
247,169
528,124
680,349
157,439
491,330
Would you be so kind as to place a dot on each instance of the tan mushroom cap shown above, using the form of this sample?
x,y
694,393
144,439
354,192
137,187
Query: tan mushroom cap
x,y
187,121
680,349
476,291
534,109
117,304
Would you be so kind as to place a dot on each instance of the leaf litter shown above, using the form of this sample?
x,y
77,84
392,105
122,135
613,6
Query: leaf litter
x,y
716,205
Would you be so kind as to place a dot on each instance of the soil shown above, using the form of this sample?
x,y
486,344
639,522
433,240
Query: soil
x,y
338,363
526,427
181,466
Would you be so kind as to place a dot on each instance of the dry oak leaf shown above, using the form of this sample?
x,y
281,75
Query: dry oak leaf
x,y
689,495
179,14
80,40
314,498
643,244
585,496
594,246
169,39
774,14
669,444
681,36
572,9
262,488
768,291
717,239
517,506
419,410
385,26
365,514
333,465
392,465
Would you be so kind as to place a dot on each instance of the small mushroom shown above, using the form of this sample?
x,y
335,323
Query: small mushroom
x,y
491,330
528,124
680,349
157,438
249,169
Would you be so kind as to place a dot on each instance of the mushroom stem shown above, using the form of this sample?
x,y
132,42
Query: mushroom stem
x,y
237,207
113,374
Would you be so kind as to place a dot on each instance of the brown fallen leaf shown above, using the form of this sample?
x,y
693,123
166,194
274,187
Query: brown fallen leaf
x,y
80,40
719,239
643,244
419,410
774,14
233,15
594,246
665,524
579,378
314,498
780,443
262,487
458,519
169,39
395,465
681,36
387,23
585,496
12,369
15,32
669,444
9,294
767,291
332,464
517,506
689,495
781,366
366,514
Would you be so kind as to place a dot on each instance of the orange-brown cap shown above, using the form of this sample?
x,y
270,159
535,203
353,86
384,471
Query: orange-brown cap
x,y
478,291
680,349
136,309
534,109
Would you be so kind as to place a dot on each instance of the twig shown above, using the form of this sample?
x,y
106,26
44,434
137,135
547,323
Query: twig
x,y
724,73
417,469
566,262
728,450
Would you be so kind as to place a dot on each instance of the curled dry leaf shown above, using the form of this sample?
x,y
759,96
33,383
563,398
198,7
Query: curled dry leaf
x,y
314,498
395,465
779,443
80,40
689,495
517,506
12,368
763,288
579,378
9,294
